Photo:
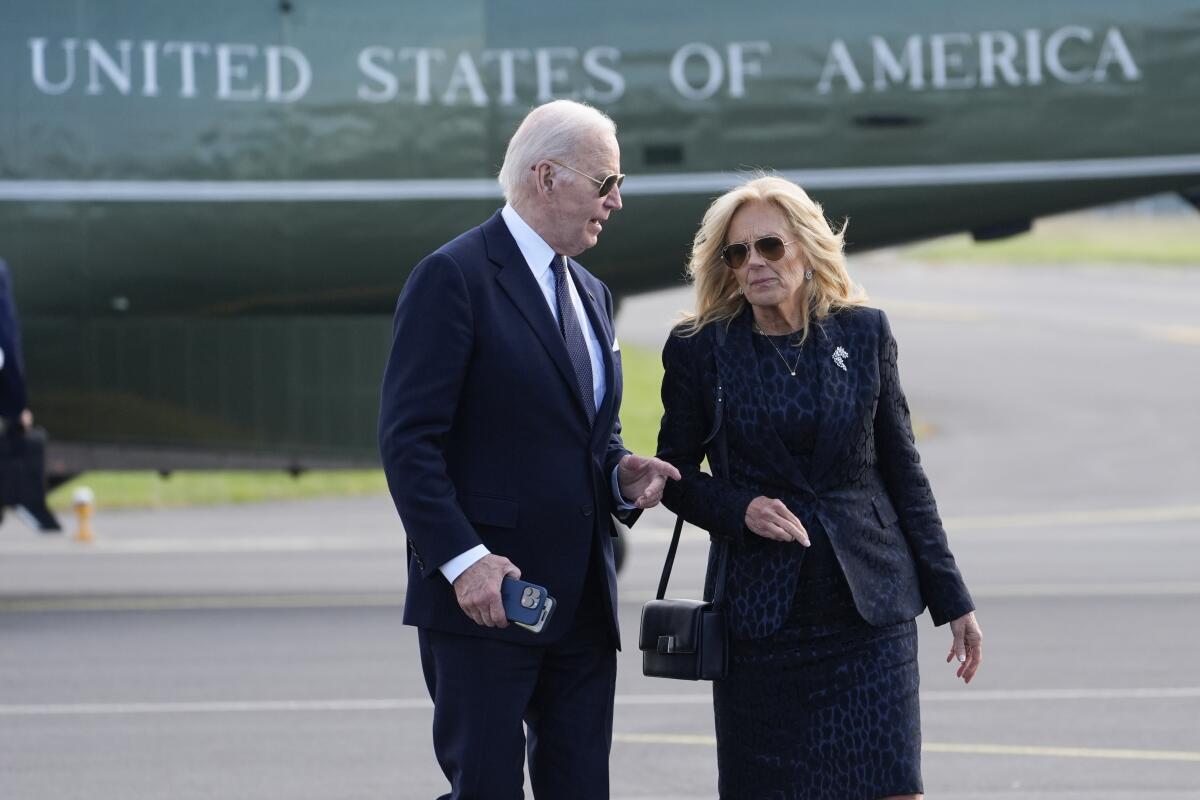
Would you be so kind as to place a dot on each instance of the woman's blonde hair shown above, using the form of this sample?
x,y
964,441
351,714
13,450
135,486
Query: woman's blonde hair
x,y
717,296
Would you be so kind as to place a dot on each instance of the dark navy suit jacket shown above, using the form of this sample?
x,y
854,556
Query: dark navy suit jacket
x,y
12,373
484,437
865,485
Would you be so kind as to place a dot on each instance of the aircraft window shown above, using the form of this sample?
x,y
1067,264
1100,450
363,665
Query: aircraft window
x,y
888,120
659,154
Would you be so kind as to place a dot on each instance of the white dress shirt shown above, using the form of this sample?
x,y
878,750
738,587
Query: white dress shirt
x,y
537,256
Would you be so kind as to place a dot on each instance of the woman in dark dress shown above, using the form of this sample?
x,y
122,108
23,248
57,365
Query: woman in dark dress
x,y
787,383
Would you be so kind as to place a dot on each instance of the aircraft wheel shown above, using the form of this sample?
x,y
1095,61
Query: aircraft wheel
x,y
619,545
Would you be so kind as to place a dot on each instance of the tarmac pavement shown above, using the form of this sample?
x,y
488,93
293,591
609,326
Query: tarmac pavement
x,y
257,651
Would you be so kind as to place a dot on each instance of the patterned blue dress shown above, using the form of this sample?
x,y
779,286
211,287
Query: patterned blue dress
x,y
827,707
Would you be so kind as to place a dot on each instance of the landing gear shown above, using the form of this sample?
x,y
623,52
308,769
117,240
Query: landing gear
x,y
618,544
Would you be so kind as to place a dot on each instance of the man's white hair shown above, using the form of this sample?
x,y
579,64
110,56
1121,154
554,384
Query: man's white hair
x,y
559,130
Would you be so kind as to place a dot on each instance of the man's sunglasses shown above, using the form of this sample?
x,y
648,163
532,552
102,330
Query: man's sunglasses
x,y
606,184
772,248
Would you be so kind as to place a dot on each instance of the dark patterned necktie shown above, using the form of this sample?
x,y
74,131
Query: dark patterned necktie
x,y
568,326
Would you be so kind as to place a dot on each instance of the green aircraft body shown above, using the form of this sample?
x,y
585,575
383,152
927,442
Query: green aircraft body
x,y
209,209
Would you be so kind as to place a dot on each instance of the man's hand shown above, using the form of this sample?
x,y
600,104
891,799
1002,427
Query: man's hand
x,y
478,590
642,479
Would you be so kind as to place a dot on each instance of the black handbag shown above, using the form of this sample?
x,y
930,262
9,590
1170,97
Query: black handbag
x,y
685,639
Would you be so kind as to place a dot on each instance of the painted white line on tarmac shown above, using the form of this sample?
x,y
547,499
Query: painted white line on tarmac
x,y
1179,334
1108,516
1061,752
1143,589
663,699
999,590
267,706
958,748
420,703
203,602
203,544
1046,519
628,597
122,709
992,695
664,738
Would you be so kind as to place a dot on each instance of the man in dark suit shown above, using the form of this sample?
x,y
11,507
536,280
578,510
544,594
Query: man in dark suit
x,y
14,411
500,438
22,447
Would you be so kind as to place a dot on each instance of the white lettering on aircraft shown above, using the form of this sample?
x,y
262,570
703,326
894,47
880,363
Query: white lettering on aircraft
x,y
711,66
243,72
1071,54
555,74
697,71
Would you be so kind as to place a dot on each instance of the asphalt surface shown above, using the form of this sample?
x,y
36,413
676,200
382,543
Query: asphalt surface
x,y
257,651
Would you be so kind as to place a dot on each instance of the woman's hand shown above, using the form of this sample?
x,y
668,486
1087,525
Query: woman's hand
x,y
771,519
967,646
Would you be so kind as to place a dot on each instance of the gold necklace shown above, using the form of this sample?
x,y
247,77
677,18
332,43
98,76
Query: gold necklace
x,y
791,368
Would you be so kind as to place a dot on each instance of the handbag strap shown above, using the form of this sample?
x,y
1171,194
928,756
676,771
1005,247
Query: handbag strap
x,y
718,584
670,562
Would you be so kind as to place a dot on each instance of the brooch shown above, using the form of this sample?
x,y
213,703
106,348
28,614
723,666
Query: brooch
x,y
838,355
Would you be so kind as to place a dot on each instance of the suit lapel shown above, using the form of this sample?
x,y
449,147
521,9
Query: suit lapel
x,y
737,362
517,281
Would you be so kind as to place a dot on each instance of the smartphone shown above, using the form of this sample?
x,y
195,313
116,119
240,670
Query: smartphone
x,y
526,604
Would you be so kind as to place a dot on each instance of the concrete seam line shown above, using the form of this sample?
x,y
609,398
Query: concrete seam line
x,y
958,748
691,698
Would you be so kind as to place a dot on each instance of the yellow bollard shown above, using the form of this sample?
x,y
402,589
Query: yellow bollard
x,y
84,500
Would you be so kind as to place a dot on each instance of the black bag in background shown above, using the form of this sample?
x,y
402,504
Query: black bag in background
x,y
23,477
685,639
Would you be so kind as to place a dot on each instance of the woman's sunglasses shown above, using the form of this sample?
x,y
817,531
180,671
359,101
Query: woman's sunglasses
x,y
606,184
772,248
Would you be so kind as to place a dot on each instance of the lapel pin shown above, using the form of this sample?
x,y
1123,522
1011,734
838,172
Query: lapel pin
x,y
839,356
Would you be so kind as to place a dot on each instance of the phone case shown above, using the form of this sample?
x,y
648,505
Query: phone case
x,y
526,604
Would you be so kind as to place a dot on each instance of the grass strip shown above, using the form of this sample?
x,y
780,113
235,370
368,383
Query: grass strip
x,y
1171,240
151,490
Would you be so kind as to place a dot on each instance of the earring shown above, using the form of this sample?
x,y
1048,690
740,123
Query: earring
x,y
808,275
741,290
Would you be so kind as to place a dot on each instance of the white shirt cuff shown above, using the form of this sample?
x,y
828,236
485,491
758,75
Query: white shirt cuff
x,y
622,503
459,564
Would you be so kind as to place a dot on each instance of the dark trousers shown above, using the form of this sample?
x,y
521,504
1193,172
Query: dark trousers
x,y
483,690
